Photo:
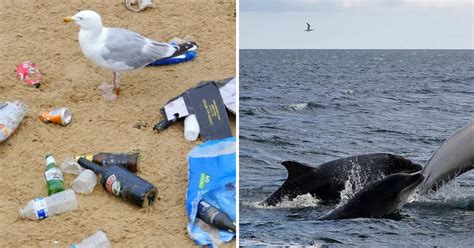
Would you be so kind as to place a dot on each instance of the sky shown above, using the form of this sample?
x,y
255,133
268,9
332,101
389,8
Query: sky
x,y
356,24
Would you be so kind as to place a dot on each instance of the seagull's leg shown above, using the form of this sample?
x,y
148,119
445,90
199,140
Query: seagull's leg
x,y
116,83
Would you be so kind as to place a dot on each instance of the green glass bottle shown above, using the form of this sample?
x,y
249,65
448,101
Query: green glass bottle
x,y
53,176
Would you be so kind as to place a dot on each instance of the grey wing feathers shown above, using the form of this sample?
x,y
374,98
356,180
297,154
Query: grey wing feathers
x,y
133,49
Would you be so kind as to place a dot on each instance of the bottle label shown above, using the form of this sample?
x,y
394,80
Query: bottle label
x,y
41,209
53,174
112,185
50,160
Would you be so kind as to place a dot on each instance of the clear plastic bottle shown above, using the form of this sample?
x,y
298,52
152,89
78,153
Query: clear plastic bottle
x,y
41,208
98,240
191,128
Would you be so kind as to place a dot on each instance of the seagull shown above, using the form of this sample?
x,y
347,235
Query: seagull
x,y
119,49
308,29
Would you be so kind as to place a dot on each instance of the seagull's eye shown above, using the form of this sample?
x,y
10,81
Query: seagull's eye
x,y
80,18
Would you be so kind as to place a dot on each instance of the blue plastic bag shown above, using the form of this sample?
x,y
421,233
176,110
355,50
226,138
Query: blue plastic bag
x,y
212,170
185,57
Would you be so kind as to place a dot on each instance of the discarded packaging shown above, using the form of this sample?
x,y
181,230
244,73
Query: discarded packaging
x,y
122,183
211,179
61,116
205,101
98,240
215,217
185,57
187,52
70,166
11,114
108,92
129,161
53,176
228,93
29,74
41,208
191,128
142,4
85,182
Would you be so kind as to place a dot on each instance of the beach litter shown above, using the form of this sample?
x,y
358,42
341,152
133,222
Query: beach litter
x,y
123,183
210,198
142,5
85,182
129,161
57,203
108,91
70,166
61,116
206,102
11,114
53,176
191,128
97,240
29,74
189,52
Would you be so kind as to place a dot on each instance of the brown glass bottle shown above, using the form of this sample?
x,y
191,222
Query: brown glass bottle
x,y
214,217
123,183
129,161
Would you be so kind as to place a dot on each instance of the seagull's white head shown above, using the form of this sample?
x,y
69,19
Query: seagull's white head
x,y
86,19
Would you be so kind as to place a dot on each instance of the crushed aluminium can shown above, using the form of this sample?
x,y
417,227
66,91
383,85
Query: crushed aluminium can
x,y
29,74
61,116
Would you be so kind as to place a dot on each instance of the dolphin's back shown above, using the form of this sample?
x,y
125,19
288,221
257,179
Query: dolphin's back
x,y
327,180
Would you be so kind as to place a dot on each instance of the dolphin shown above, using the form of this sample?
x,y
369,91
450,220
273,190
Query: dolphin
x,y
453,158
325,181
379,198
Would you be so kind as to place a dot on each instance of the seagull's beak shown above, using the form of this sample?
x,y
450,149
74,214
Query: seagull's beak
x,y
68,19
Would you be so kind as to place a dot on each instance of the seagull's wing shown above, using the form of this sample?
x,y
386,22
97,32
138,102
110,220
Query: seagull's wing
x,y
132,49
309,26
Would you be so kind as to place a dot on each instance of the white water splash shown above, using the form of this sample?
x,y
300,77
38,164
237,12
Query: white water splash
x,y
301,201
447,192
354,183
298,106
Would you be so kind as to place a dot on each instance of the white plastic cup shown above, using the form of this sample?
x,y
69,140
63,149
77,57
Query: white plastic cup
x,y
70,166
85,182
191,128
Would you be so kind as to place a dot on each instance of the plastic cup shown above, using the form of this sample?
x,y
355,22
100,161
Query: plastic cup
x,y
191,128
85,182
70,166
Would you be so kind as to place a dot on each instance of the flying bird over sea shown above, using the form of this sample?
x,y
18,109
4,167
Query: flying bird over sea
x,y
119,49
308,29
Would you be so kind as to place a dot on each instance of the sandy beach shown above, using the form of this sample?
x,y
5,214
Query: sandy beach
x,y
34,30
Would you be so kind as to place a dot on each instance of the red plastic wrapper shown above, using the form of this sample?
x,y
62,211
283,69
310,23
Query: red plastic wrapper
x,y
29,74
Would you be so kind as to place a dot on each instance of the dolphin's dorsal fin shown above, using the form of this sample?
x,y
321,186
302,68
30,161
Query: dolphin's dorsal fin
x,y
296,169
